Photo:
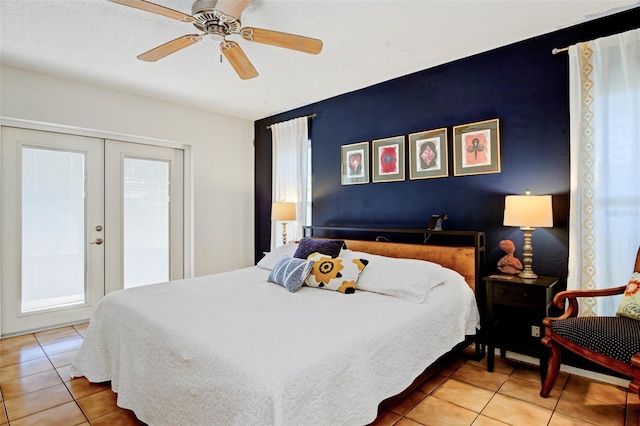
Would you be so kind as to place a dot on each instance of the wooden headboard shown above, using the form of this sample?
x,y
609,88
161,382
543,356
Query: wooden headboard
x,y
460,259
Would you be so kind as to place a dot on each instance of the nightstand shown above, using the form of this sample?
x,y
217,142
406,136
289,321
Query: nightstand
x,y
515,308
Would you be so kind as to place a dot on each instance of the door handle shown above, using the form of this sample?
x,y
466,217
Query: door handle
x,y
98,241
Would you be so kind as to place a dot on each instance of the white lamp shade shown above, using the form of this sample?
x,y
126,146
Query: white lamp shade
x,y
528,211
283,211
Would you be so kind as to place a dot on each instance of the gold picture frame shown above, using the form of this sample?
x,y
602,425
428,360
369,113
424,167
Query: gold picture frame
x,y
354,162
476,148
428,154
387,159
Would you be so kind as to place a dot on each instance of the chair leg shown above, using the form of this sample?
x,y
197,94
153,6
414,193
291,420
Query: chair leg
x,y
553,367
634,386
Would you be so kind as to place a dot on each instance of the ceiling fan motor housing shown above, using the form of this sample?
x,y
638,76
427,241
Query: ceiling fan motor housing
x,y
212,21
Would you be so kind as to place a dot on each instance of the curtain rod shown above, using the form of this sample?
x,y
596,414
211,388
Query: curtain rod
x,y
556,50
312,116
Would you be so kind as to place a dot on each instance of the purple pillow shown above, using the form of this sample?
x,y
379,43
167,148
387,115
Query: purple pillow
x,y
327,247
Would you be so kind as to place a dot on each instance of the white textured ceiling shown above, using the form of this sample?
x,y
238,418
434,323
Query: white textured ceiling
x,y
365,42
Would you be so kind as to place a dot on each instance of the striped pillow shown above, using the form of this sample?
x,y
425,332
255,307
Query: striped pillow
x,y
290,272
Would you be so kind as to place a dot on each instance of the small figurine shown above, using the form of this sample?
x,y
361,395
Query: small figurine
x,y
509,264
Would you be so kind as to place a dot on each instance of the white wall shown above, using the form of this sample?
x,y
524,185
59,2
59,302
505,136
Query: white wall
x,y
222,147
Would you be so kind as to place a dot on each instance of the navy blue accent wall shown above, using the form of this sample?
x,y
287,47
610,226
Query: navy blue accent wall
x,y
522,84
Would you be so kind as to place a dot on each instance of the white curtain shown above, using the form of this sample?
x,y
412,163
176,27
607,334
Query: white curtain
x,y
290,174
604,227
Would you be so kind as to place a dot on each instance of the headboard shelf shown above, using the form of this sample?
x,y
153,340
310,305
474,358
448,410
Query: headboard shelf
x,y
310,230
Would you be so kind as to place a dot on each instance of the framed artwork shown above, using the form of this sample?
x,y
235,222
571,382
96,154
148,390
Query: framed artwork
x,y
428,154
476,148
355,163
388,159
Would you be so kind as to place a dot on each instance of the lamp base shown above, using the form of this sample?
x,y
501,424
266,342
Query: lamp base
x,y
527,254
284,233
527,275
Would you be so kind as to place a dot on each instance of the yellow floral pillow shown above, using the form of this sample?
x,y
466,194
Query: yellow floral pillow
x,y
335,273
630,304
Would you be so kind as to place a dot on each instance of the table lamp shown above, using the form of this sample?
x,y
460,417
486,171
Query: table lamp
x,y
528,212
283,212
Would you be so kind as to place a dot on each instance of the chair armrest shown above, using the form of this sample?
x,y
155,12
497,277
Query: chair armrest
x,y
572,295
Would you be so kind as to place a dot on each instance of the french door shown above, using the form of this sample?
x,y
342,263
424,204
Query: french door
x,y
144,210
83,216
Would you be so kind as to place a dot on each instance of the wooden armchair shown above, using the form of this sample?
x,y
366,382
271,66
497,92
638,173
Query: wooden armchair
x,y
612,342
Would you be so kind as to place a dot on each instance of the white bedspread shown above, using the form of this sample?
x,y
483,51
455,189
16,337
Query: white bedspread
x,y
233,348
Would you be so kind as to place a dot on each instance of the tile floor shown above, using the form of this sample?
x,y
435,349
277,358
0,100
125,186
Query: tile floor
x,y
36,390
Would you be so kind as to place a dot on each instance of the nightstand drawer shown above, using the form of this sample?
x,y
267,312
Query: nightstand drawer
x,y
518,295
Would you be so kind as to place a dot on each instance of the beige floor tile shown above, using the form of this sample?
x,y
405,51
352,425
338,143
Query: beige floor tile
x,y
589,409
120,417
525,390
633,400
63,415
559,419
62,359
408,403
463,394
453,366
35,382
480,377
56,335
516,412
82,328
64,373
632,418
13,344
561,380
34,402
532,373
527,372
388,418
3,417
24,369
63,346
605,392
487,421
436,412
407,422
22,355
80,387
435,381
98,404
499,365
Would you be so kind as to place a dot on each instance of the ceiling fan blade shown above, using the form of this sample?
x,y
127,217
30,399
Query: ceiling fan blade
x,y
238,60
156,8
169,47
288,41
232,7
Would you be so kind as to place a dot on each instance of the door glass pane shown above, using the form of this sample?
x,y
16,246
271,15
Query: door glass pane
x,y
53,228
146,221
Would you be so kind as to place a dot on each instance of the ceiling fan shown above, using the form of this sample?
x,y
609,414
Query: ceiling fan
x,y
220,19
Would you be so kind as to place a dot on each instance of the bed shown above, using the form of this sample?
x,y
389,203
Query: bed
x,y
235,348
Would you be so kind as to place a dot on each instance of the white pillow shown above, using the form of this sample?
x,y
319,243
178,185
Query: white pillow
x,y
408,279
270,258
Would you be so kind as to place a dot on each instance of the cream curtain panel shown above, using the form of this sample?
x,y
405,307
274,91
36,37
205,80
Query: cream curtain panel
x,y
604,225
289,173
